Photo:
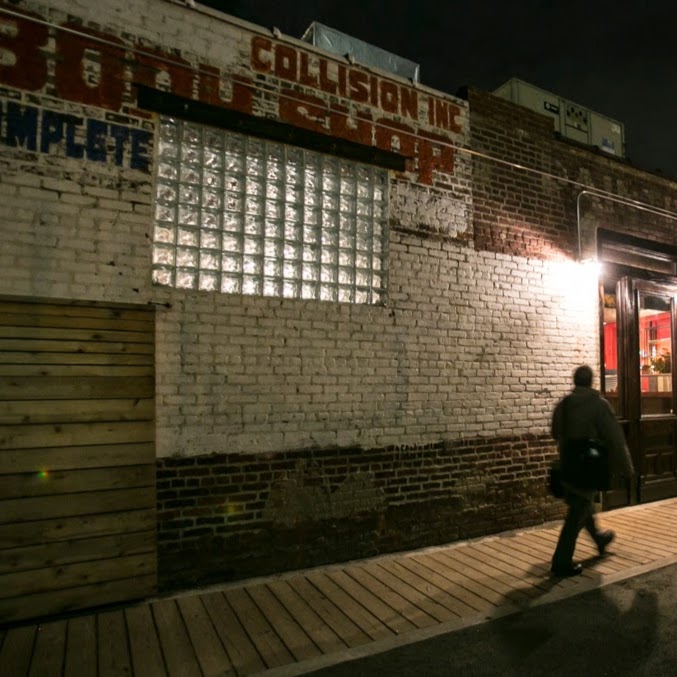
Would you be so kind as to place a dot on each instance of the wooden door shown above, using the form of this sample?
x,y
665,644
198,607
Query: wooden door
x,y
77,458
648,337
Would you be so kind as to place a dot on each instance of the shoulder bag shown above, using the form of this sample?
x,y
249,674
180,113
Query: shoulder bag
x,y
585,462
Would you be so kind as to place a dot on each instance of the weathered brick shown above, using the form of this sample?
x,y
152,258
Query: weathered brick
x,y
430,413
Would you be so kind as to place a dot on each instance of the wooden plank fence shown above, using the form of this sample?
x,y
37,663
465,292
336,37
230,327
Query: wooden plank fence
x,y
77,458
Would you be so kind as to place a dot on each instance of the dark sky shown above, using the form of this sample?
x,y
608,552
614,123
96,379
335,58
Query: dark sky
x,y
618,58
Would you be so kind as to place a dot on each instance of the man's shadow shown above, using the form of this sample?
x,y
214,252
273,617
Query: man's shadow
x,y
613,630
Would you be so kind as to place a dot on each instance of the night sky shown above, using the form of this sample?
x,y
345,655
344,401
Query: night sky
x,y
618,58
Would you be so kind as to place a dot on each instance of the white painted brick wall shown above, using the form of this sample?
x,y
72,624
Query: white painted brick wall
x,y
77,237
451,366
469,344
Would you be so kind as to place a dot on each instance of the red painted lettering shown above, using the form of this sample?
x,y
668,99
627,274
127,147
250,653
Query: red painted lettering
x,y
395,137
326,85
454,112
441,114
358,129
305,76
303,111
341,80
390,100
241,98
409,102
260,54
358,82
434,154
104,84
373,90
285,62
23,38
152,65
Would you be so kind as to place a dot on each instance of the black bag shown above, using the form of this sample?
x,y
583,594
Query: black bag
x,y
585,464
555,480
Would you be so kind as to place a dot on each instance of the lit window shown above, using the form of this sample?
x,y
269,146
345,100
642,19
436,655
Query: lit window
x,y
241,215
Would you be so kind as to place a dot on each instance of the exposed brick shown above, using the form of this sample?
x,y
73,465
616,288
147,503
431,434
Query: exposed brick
x,y
335,430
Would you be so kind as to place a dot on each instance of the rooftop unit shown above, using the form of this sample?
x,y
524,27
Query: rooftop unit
x,y
344,45
571,120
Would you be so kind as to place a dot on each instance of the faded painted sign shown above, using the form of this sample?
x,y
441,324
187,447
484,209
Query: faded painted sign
x,y
295,86
46,131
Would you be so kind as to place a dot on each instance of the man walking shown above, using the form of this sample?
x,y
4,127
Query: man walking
x,y
581,415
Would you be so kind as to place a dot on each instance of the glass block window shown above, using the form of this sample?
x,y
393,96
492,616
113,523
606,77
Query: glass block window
x,y
242,215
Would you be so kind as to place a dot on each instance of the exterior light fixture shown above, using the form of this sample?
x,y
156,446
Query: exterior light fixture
x,y
592,267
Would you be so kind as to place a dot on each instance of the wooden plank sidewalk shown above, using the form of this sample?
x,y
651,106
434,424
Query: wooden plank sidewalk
x,y
296,622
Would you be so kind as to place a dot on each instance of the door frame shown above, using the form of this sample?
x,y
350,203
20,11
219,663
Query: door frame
x,y
636,424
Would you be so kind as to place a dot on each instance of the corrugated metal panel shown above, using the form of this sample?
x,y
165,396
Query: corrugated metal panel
x,y
339,43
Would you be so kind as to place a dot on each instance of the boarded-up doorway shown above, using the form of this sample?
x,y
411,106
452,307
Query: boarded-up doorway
x,y
77,457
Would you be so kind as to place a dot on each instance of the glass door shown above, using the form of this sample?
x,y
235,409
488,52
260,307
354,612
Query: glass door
x,y
655,352
646,384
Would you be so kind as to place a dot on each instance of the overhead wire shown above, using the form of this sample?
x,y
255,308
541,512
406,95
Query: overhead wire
x,y
288,95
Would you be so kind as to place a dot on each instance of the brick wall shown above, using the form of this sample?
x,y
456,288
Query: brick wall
x,y
533,213
409,424
465,348
239,515
461,362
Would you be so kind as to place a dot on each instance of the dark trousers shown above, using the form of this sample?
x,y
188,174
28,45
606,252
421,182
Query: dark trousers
x,y
581,514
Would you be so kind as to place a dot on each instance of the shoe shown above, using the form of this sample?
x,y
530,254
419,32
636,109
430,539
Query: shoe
x,y
568,572
603,540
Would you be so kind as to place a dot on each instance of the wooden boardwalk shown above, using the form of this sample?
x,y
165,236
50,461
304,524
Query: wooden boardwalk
x,y
293,623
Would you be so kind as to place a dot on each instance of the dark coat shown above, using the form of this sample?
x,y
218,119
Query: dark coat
x,y
589,415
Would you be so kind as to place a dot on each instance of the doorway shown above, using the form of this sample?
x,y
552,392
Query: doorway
x,y
639,330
